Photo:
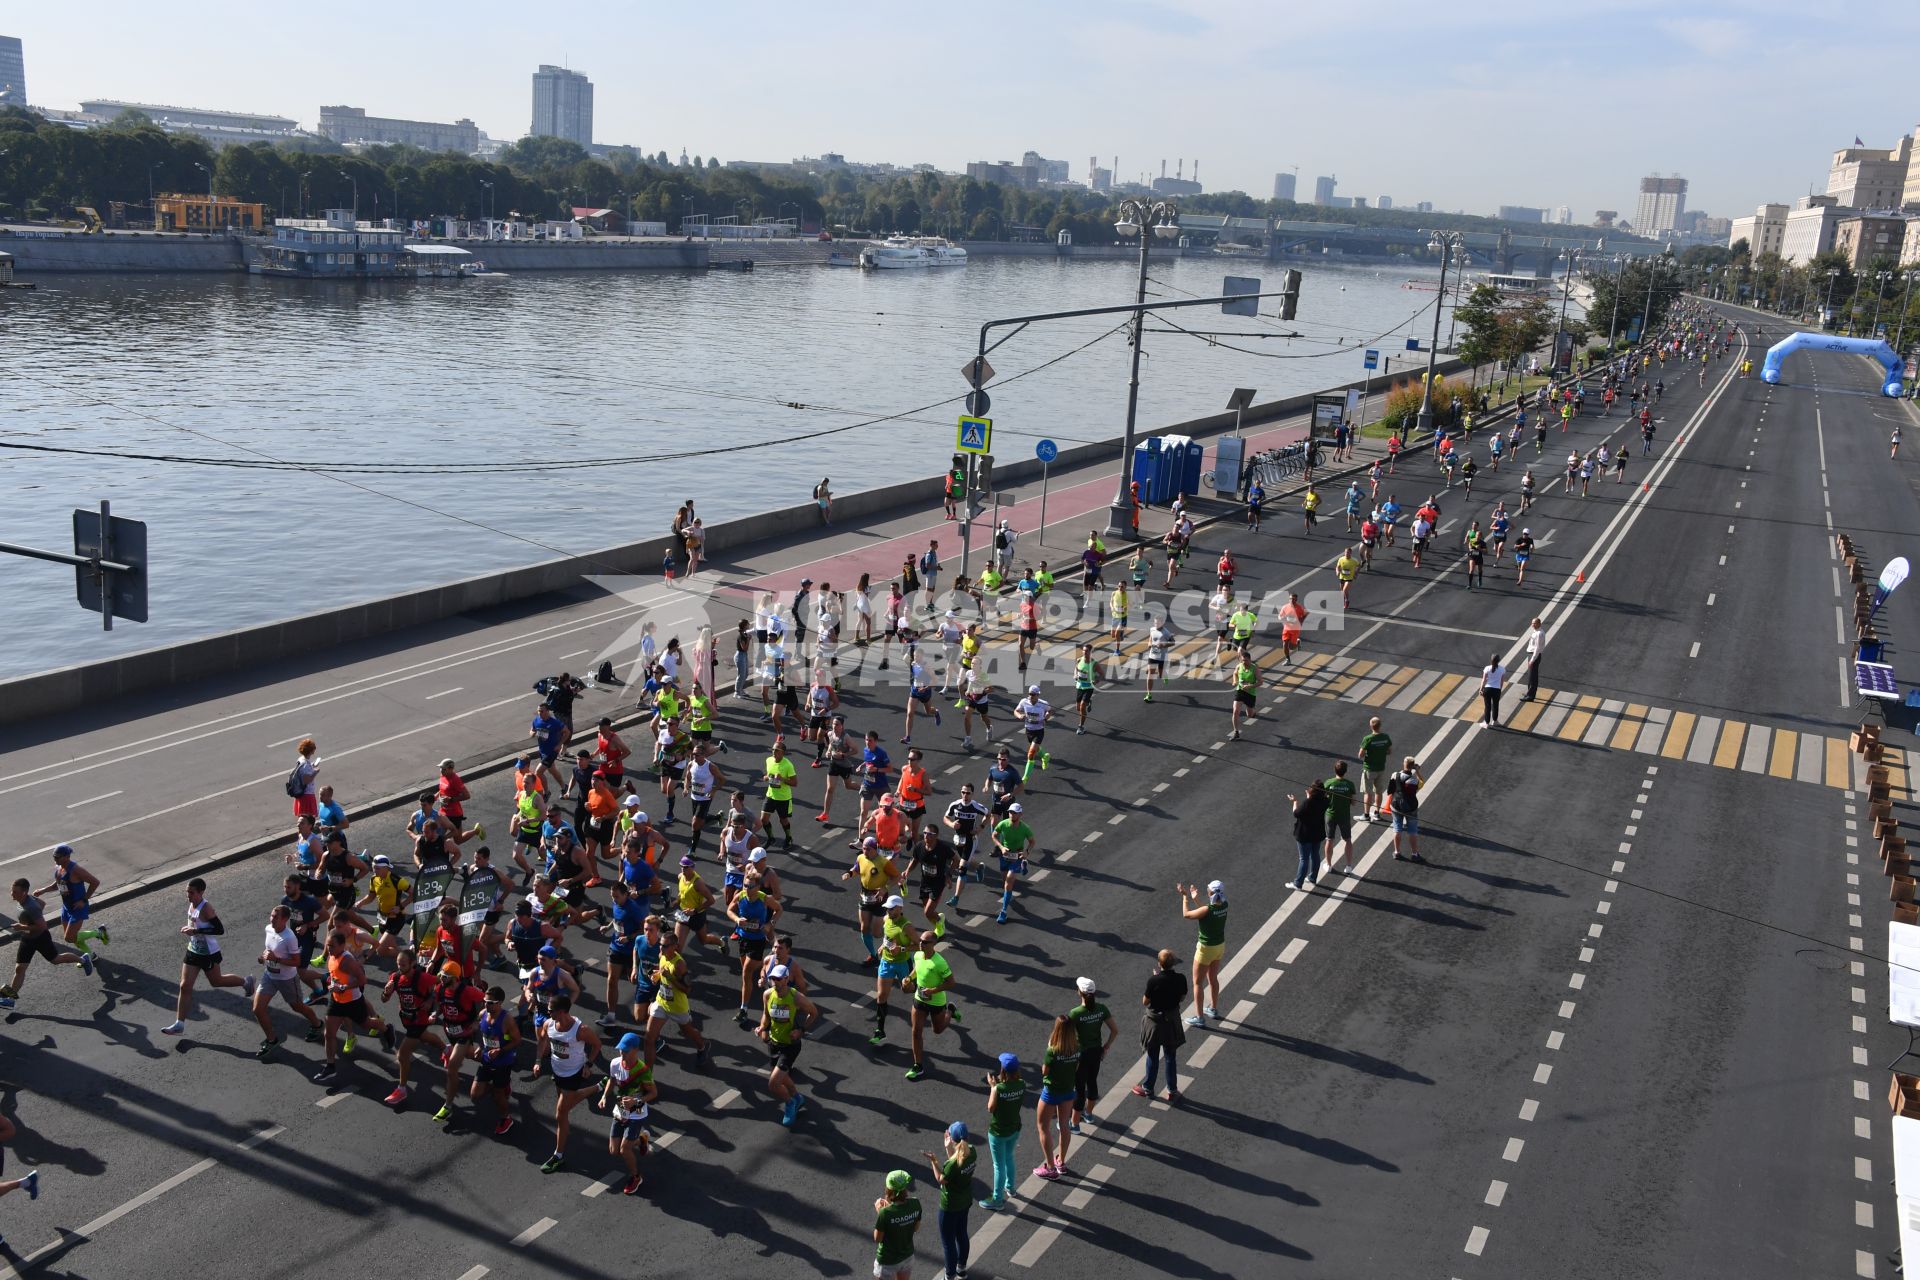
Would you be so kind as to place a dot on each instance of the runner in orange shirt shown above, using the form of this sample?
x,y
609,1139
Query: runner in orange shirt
x,y
1293,616
912,792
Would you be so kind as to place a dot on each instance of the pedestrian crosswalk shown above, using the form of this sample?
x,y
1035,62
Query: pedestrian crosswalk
x,y
1612,723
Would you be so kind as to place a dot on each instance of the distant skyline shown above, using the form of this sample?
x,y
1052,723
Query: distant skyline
x,y
1464,107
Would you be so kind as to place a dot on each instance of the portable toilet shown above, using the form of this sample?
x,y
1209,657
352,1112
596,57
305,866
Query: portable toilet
x,y
1146,467
1185,456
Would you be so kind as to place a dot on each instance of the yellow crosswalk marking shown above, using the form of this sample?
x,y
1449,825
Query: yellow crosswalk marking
x,y
1677,734
1785,741
1442,689
1837,768
1579,718
1632,720
1391,688
1527,714
1727,755
1347,679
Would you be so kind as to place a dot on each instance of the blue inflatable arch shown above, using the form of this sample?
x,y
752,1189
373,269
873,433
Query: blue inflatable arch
x,y
1879,350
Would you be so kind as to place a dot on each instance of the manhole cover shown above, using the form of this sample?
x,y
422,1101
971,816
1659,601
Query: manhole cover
x,y
1822,958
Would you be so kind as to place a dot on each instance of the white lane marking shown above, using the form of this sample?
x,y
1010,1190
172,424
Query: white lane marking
x,y
79,804
1862,1169
1709,599
533,1233
1083,1195
1567,1006
331,1099
1158,787
474,1272
575,654
1291,952
1529,1109
443,693
1557,1038
1496,1192
1182,772
1723,559
1477,1240
1543,1073
1514,1147
601,1187
1264,983
1204,1054
1695,651
271,746
726,1099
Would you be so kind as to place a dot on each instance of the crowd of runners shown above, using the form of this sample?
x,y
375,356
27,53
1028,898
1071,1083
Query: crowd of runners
x,y
651,848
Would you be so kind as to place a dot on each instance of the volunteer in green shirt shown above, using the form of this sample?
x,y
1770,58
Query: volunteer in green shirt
x,y
1059,1068
1210,914
1246,685
1340,793
1006,1096
954,1173
1084,673
932,977
1093,1022
1374,750
779,775
896,1219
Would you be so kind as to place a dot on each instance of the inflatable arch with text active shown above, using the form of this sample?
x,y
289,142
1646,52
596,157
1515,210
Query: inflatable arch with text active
x,y
1879,350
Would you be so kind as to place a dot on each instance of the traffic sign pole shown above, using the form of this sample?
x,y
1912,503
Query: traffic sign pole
x,y
1046,451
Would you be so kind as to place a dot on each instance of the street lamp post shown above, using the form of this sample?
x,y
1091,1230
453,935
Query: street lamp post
x,y
1146,221
1653,273
1880,279
208,170
1444,243
1900,334
489,186
1826,308
1572,257
1613,325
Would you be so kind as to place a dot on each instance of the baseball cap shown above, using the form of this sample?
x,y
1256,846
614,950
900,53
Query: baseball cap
x,y
633,802
631,1040
895,900
958,1131
1086,984
382,860
550,950
1015,807
778,971
519,760
63,850
1034,689
1216,888
686,859
886,799
447,763
806,582
899,1180
1009,1062
451,970
870,842
757,855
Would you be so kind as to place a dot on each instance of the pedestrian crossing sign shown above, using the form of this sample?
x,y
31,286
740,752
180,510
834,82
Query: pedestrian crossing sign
x,y
975,435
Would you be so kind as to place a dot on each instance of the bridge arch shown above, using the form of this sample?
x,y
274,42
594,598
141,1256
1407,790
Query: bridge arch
x,y
1879,350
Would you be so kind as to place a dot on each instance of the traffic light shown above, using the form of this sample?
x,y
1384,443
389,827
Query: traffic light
x,y
981,489
1290,305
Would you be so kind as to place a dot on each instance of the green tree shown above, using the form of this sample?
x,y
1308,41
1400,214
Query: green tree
x,y
1478,318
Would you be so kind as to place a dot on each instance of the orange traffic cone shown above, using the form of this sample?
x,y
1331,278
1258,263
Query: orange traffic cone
x,y
1645,487
1580,575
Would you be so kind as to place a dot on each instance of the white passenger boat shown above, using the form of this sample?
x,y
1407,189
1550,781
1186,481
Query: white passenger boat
x,y
899,253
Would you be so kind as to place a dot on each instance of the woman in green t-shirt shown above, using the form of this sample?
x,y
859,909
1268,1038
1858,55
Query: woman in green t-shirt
x,y
1006,1096
896,1217
1059,1070
954,1173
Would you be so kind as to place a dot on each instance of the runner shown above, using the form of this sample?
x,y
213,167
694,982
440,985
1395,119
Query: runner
x,y
778,774
417,987
1084,671
876,779
1246,684
1158,638
1310,506
671,1004
1355,497
36,939
919,692
1241,624
976,696
1012,837
626,1096
1620,464
1369,539
1390,517
570,1047
1293,618
1476,547
877,875
931,859
281,975
1117,608
896,962
77,886
963,819
692,899
1210,945
1220,608
203,930
1522,552
1497,530
496,1041
389,894
837,755
754,916
1034,712
346,1005
932,981
702,778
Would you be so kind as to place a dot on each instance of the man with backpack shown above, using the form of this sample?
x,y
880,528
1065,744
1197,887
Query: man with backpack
x,y
1403,800
929,566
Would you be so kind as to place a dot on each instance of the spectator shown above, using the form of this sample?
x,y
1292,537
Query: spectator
x,y
823,498
1161,1034
1309,831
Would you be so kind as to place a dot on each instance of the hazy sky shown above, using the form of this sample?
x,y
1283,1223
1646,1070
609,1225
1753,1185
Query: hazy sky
x,y
1470,105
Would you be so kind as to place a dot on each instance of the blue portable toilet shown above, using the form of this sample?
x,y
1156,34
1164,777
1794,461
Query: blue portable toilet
x,y
1184,457
1146,467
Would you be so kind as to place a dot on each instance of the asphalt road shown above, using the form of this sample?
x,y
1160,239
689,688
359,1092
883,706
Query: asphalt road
x,y
1610,1030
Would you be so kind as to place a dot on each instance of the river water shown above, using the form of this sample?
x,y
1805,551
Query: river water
x,y
761,378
